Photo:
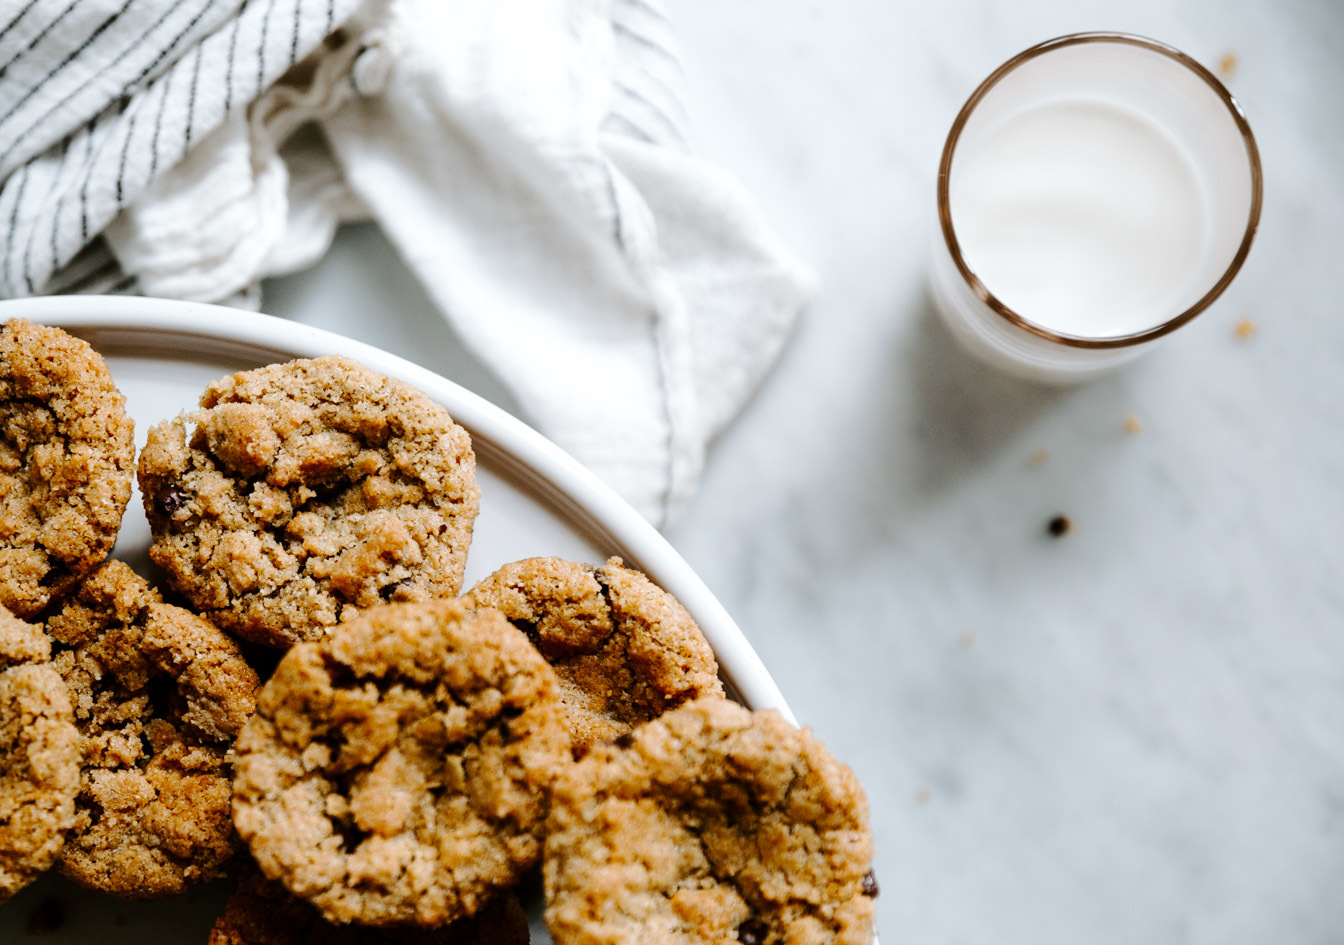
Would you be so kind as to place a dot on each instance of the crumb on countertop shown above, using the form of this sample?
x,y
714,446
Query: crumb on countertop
x,y
922,795
1040,458
965,640
1246,329
1227,65
1133,425
1058,526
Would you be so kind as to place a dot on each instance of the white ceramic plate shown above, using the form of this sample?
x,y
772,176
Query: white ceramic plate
x,y
535,500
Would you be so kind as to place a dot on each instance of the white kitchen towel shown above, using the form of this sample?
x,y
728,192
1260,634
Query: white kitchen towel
x,y
529,158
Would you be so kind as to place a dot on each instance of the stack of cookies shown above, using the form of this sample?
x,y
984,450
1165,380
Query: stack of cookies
x,y
317,711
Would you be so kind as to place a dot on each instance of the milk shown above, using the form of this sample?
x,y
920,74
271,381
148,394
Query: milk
x,y
1082,216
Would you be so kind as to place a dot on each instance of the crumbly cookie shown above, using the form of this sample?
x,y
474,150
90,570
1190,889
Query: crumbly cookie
x,y
399,770
712,824
261,912
625,650
158,694
39,756
301,493
66,451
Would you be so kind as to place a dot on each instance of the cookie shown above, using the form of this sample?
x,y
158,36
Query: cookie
x,y
398,771
260,912
66,451
302,493
39,756
624,649
714,824
159,694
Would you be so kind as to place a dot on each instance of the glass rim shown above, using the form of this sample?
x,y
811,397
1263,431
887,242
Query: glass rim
x,y
995,304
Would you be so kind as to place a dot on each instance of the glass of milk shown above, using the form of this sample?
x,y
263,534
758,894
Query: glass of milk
x,y
1096,192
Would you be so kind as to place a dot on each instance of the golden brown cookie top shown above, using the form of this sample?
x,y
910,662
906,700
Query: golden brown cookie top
x,y
625,650
159,694
709,824
302,493
399,770
39,756
261,912
66,451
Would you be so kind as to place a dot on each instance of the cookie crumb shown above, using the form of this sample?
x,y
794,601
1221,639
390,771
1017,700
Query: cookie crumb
x,y
870,887
1246,329
1227,65
1040,458
1059,526
48,917
1133,425
923,795
965,640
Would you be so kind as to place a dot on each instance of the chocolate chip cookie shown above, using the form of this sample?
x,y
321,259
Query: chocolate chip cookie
x,y
399,770
39,756
712,824
260,912
301,493
625,650
159,694
66,451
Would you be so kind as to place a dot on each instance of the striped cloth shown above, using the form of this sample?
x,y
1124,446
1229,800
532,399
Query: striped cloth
x,y
530,159
97,97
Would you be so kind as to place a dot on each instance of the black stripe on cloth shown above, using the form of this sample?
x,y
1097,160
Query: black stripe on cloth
x,y
261,48
191,93
294,35
55,220
4,31
233,48
98,31
125,149
21,186
60,201
42,34
168,50
89,162
158,124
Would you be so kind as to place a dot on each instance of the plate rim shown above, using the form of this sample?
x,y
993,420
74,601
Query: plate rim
x,y
559,478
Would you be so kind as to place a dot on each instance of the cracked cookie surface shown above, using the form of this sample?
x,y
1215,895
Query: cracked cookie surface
x,y
66,453
159,694
302,493
399,770
262,912
39,756
713,824
624,649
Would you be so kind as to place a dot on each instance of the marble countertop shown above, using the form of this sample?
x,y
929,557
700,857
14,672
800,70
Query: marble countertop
x,y
1135,732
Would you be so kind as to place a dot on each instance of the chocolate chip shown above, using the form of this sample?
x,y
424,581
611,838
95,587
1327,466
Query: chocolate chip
x,y
389,591
1058,526
47,917
870,887
623,740
753,932
169,500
